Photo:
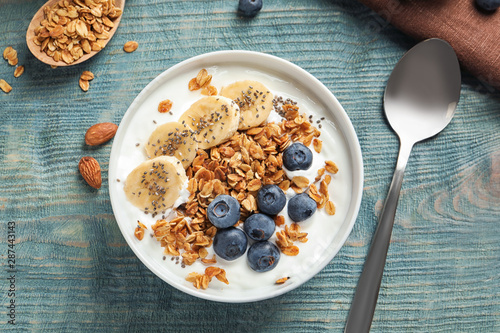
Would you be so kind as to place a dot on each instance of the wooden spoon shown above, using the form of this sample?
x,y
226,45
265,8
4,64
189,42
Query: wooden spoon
x,y
42,56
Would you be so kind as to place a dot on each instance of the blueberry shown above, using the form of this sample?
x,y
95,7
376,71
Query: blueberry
x,y
224,211
488,4
249,8
263,256
259,227
271,199
297,157
301,207
230,243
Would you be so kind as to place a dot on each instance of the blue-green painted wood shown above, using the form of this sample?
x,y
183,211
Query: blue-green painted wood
x,y
76,272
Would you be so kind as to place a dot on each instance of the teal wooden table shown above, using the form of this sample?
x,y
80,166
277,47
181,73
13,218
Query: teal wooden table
x,y
75,271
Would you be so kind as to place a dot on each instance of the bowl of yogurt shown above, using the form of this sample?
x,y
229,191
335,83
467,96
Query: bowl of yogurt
x,y
326,232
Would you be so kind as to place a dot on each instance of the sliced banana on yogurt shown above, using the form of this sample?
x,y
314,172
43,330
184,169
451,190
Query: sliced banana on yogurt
x,y
154,185
214,119
173,139
254,100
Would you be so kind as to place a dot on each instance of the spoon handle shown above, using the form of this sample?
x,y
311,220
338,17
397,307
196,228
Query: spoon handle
x,y
365,299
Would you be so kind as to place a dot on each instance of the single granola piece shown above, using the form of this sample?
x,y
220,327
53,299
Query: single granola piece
x,y
130,46
19,71
213,260
282,280
300,181
317,144
165,106
5,86
292,250
139,230
331,167
84,84
330,208
87,76
279,220
193,85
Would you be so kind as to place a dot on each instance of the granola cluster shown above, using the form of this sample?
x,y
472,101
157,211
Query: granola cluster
x,y
73,28
202,81
202,280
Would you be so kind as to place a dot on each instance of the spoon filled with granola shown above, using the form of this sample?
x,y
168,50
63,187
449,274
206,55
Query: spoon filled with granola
x,y
68,32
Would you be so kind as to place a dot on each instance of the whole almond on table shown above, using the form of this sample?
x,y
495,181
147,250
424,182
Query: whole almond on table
x,y
130,46
100,133
90,171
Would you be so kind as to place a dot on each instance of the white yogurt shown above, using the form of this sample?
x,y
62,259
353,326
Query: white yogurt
x,y
321,227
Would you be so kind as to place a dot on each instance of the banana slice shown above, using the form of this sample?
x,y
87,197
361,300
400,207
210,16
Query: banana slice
x,y
154,185
214,119
253,98
173,139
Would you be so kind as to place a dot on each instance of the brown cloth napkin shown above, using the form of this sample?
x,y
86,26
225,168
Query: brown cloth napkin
x,y
473,33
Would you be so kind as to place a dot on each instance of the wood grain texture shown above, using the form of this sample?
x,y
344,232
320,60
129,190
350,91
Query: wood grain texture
x,y
75,270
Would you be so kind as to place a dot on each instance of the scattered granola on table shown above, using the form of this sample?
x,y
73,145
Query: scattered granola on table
x,y
5,86
18,71
85,77
130,46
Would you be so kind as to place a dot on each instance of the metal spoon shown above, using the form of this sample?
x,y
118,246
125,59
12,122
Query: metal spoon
x,y
419,101
42,56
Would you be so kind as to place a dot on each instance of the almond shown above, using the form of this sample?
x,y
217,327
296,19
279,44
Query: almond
x,y
91,171
100,133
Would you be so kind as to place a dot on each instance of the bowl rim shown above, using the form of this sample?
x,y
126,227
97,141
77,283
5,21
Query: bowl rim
x,y
321,93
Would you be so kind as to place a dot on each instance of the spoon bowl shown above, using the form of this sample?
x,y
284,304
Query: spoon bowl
x,y
419,101
43,57
423,90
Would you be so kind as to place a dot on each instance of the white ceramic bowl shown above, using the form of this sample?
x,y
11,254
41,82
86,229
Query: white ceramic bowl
x,y
137,124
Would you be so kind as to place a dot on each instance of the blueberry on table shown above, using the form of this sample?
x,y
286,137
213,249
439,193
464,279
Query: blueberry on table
x,y
271,199
259,227
263,256
230,243
224,211
488,4
249,8
297,157
301,207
